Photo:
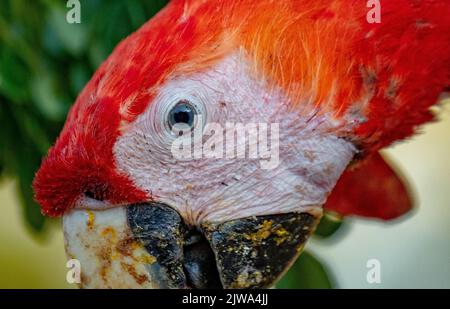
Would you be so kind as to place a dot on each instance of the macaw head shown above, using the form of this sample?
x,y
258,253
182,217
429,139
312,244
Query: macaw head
x,y
202,152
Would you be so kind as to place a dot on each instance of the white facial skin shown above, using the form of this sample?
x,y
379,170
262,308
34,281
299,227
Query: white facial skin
x,y
311,155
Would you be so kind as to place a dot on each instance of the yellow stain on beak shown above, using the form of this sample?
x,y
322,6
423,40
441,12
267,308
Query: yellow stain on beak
x,y
107,250
266,229
91,220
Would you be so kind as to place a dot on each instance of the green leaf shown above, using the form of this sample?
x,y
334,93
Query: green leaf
x,y
28,163
31,210
136,13
2,146
51,42
13,76
79,75
34,130
306,273
46,98
155,6
72,36
23,159
2,169
329,224
97,54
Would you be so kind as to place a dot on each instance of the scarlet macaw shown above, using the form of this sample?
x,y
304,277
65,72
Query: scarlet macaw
x,y
340,88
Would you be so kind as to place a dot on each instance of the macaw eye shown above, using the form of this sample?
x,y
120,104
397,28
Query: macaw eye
x,y
182,113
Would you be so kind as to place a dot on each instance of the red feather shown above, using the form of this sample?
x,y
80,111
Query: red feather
x,y
371,189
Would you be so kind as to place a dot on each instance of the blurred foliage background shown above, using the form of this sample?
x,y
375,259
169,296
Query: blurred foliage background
x,y
45,62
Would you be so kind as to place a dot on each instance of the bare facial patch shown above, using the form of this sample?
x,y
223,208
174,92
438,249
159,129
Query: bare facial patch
x,y
209,189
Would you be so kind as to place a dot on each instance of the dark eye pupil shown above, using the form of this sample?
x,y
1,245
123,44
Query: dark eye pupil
x,y
183,112
182,116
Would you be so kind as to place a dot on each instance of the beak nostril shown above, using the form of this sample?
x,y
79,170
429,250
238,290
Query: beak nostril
x,y
200,262
96,193
92,195
192,237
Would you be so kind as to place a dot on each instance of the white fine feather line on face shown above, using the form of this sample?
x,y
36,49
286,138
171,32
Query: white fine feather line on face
x,y
311,155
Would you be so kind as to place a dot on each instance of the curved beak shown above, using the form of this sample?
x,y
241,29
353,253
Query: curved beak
x,y
149,246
